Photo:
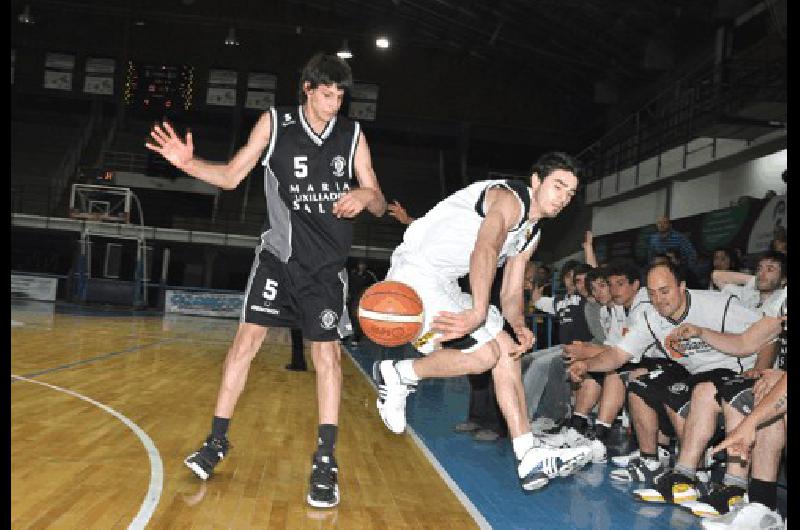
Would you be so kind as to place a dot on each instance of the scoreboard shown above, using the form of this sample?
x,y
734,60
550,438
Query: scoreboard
x,y
158,88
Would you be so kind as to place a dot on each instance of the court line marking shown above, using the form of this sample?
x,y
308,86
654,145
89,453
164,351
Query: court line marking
x,y
98,358
156,486
460,495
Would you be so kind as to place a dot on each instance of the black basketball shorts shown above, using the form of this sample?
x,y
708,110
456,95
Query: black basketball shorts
x,y
293,295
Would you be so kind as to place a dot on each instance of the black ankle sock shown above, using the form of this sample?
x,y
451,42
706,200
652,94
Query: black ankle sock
x,y
326,439
219,427
602,431
763,492
579,423
650,456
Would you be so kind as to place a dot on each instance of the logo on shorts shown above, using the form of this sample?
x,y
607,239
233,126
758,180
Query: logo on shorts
x,y
423,340
679,388
328,319
338,164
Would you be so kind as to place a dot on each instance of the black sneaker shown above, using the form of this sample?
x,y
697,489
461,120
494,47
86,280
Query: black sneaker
x,y
203,461
323,489
719,501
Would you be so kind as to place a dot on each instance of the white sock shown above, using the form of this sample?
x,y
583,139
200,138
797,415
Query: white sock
x,y
406,370
584,416
604,424
521,444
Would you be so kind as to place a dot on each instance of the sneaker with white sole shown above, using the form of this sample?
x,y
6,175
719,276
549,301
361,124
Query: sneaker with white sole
x,y
671,487
748,516
719,501
203,461
639,470
392,394
323,485
540,464
624,460
570,437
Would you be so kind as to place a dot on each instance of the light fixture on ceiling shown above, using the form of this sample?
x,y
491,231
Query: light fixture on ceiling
x,y
25,17
382,42
344,52
231,39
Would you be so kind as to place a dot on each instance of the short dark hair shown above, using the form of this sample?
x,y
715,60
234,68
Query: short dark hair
x,y
774,255
324,69
674,269
583,268
567,267
596,273
554,160
625,268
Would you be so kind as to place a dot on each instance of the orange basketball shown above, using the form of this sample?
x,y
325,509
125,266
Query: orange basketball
x,y
390,313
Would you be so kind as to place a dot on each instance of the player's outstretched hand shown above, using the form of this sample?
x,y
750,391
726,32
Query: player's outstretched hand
x,y
169,145
683,332
739,441
456,325
396,210
524,340
350,204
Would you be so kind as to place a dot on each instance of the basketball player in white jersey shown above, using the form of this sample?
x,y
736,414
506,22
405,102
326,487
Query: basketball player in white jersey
x,y
474,231
310,157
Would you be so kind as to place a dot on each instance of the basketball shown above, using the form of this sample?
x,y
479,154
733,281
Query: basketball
x,y
390,313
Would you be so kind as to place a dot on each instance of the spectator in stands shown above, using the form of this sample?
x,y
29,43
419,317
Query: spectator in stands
x,y
778,243
724,259
694,375
770,438
666,238
544,279
628,301
568,308
763,291
359,280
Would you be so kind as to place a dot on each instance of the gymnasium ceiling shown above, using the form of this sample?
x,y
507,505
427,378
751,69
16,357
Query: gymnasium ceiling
x,y
580,55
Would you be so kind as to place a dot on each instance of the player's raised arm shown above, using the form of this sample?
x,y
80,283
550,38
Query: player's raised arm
x,y
180,154
368,195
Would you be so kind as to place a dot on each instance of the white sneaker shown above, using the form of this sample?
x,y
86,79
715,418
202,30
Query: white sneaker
x,y
542,424
746,517
540,464
392,394
599,452
569,437
624,460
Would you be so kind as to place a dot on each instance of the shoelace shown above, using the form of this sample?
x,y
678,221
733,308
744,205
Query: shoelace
x,y
322,476
395,391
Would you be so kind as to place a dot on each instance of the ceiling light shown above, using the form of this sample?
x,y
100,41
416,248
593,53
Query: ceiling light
x,y
382,42
231,39
344,52
25,17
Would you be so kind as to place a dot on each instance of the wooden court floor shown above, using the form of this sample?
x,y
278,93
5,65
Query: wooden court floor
x,y
78,462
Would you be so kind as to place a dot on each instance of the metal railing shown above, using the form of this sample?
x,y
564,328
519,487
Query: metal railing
x,y
688,109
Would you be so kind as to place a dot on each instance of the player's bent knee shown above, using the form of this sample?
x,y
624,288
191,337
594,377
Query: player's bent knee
x,y
704,392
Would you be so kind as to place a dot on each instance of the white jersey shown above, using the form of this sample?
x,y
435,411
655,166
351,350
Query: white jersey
x,y
621,320
709,309
750,297
443,239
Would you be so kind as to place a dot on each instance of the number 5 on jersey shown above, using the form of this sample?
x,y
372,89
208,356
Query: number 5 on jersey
x,y
301,167
270,289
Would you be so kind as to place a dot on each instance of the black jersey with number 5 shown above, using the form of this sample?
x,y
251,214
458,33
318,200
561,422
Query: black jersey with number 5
x,y
305,173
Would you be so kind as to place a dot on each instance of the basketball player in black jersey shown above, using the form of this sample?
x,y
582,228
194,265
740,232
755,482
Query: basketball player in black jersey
x,y
310,156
